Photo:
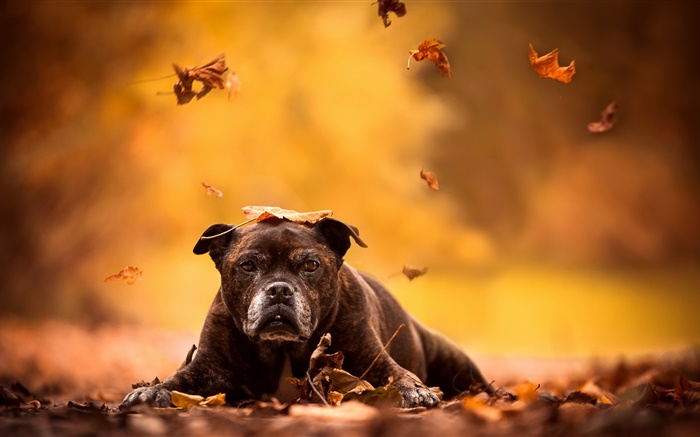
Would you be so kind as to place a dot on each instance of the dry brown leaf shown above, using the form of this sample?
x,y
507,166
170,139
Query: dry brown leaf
x,y
548,66
431,179
128,274
187,401
386,6
412,272
209,74
143,383
233,84
334,398
344,382
579,397
260,213
184,400
431,49
211,190
214,400
607,119
594,390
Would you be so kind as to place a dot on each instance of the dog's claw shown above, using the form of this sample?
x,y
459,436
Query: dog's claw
x,y
154,396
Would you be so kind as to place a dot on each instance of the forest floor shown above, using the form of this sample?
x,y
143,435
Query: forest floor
x,y
63,379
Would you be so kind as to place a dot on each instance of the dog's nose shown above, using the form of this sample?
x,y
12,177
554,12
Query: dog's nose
x,y
279,292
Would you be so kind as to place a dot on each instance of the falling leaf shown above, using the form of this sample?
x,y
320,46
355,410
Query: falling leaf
x,y
431,179
260,213
412,272
607,119
212,191
386,6
209,74
548,66
233,84
431,49
127,274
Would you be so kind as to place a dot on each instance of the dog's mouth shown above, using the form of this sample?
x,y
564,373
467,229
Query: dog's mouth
x,y
279,327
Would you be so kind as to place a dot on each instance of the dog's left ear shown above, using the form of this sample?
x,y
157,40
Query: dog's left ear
x,y
215,240
338,234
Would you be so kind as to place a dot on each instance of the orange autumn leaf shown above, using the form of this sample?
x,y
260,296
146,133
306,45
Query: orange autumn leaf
x,y
127,274
607,119
211,190
526,391
431,49
547,66
412,272
479,407
260,213
233,84
187,401
431,179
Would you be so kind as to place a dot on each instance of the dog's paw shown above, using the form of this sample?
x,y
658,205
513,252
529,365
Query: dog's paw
x,y
155,396
415,394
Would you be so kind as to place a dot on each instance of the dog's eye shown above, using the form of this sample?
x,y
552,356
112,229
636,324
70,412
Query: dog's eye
x,y
310,265
247,266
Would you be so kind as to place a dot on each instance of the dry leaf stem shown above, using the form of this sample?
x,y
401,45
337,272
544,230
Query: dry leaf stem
x,y
382,351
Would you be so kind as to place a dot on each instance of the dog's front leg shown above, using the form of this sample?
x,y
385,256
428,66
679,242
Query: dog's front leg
x,y
215,368
414,392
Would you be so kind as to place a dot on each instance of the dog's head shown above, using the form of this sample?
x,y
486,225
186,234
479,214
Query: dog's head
x,y
279,278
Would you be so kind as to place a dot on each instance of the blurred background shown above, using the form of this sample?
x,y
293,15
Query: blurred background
x,y
543,240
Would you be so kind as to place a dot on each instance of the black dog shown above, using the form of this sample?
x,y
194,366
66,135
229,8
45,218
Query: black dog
x,y
283,285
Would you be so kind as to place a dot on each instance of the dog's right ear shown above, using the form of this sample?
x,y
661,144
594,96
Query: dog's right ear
x,y
215,240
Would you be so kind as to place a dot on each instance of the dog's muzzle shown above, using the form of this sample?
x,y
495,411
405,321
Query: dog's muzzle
x,y
278,313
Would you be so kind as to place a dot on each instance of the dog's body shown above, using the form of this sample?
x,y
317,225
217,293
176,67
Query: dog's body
x,y
283,285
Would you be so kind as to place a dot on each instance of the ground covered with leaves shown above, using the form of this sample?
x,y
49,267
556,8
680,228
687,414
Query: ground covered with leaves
x,y
59,379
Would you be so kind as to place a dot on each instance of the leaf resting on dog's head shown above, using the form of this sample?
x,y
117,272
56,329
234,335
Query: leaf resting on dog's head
x,y
431,49
547,66
386,6
260,213
607,120
128,274
431,179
